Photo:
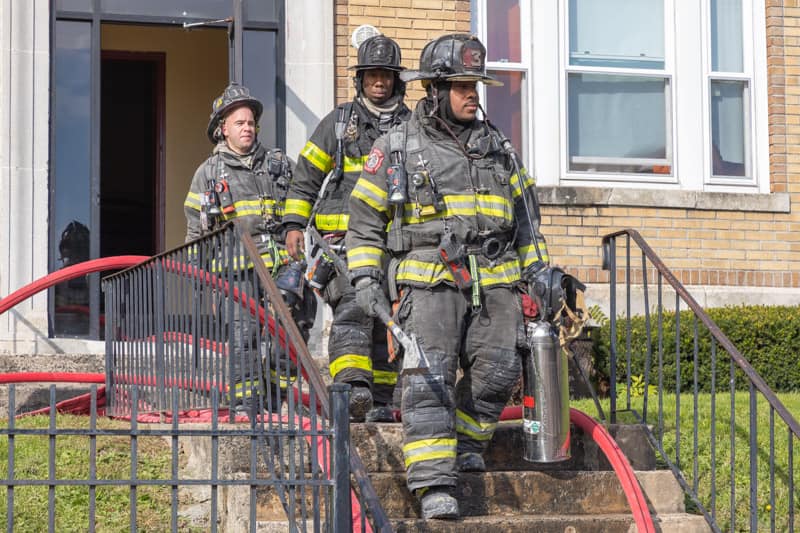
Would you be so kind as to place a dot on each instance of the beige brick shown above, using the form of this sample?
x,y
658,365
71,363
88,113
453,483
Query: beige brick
x,y
427,4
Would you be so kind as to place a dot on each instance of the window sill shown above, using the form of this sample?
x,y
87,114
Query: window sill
x,y
711,201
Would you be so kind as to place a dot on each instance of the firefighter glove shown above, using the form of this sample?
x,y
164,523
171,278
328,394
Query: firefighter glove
x,y
369,294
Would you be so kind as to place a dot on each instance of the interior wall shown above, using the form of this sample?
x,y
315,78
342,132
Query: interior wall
x,y
196,73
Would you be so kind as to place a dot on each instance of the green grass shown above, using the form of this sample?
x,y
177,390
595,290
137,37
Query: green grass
x,y
113,462
683,452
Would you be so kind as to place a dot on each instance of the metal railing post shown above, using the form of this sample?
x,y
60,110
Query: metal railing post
x,y
340,422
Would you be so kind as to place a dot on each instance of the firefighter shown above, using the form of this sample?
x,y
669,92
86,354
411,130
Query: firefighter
x,y
443,196
243,180
334,155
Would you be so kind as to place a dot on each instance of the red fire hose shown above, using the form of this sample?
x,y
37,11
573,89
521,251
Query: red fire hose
x,y
612,451
80,404
68,273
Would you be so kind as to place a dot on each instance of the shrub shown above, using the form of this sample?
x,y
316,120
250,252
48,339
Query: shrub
x,y
767,337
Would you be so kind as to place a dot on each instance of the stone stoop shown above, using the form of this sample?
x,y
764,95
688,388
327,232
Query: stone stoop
x,y
31,396
581,495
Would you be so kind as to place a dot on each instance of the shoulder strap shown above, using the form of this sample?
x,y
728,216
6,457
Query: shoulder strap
x,y
342,118
397,142
397,187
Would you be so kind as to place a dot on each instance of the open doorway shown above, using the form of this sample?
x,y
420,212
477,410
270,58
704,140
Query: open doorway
x,y
194,71
131,153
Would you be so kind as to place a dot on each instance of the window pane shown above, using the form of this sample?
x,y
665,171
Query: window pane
x,y
74,5
204,9
259,74
618,124
260,11
728,127
617,33
505,106
726,36
71,172
502,28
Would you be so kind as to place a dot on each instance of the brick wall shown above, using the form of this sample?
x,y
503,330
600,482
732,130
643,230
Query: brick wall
x,y
412,23
702,247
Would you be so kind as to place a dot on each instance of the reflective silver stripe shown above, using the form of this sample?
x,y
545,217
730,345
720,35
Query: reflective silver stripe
x,y
467,425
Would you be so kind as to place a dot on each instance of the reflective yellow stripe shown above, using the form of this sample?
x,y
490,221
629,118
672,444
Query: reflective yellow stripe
x,y
350,360
243,262
317,157
297,207
282,381
384,377
354,164
371,194
527,181
427,449
253,207
364,256
192,201
331,221
243,389
466,425
241,207
411,270
527,254
466,205
507,273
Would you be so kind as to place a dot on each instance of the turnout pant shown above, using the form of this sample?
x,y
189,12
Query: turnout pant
x,y
259,365
357,347
442,419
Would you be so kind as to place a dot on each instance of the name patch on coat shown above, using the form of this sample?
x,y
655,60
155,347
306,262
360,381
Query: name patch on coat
x,y
374,161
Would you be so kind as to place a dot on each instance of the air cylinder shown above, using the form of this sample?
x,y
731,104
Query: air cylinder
x,y
545,387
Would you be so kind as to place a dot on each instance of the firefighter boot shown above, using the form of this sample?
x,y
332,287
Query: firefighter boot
x,y
437,502
470,462
360,403
249,406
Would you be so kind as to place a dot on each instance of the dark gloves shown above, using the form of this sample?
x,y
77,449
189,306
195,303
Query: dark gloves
x,y
369,294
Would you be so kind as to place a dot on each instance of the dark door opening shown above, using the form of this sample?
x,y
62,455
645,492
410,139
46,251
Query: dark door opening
x,y
131,153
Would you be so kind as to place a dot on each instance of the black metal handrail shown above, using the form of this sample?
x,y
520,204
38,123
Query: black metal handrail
x,y
639,274
366,492
179,318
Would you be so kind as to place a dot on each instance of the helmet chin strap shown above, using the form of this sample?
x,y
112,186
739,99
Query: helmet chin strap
x,y
435,96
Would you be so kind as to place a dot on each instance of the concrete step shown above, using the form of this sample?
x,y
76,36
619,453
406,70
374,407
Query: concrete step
x,y
604,523
544,493
380,448
31,396
526,523
511,493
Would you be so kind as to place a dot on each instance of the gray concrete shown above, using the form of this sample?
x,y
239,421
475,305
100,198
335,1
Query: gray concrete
x,y
628,197
616,523
380,448
706,296
537,493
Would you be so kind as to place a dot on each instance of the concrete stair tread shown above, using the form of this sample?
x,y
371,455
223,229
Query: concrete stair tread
x,y
559,492
597,523
609,523
380,448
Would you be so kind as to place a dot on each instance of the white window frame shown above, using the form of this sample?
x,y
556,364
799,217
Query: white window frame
x,y
523,66
545,62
